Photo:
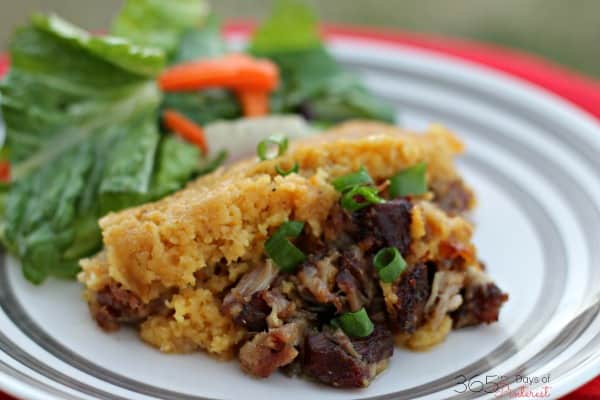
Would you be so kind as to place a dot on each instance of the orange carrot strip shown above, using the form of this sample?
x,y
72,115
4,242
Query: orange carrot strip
x,y
4,171
185,128
254,103
233,71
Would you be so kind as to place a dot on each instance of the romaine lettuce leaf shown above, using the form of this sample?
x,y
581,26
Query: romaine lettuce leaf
x,y
62,79
147,61
158,23
81,116
175,161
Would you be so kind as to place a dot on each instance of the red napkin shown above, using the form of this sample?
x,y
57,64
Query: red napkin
x,y
578,89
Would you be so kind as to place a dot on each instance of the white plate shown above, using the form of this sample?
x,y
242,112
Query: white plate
x,y
535,163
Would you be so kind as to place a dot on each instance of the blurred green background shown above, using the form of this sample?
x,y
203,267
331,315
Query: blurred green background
x,y
566,31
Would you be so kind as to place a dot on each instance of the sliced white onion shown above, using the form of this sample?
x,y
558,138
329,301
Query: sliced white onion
x,y
240,137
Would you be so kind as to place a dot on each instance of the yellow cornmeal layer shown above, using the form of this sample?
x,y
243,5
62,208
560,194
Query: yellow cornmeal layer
x,y
381,148
164,244
229,215
196,323
225,218
94,272
426,337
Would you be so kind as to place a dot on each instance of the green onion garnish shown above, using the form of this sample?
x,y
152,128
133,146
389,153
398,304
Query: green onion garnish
x,y
359,197
283,172
409,181
263,147
389,264
279,249
360,177
355,324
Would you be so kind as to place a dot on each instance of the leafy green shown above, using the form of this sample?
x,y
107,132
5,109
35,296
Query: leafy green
x,y
203,42
176,162
312,81
83,139
62,77
343,98
158,23
113,50
292,27
205,106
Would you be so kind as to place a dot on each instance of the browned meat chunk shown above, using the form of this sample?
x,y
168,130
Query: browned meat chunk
x,y
114,306
481,304
326,361
412,291
388,224
340,228
332,358
253,315
342,279
377,347
268,351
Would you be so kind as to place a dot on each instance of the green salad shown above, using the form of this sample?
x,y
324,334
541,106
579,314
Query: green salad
x,y
82,114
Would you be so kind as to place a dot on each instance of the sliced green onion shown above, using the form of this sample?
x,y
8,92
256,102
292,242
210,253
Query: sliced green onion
x,y
289,229
359,197
409,181
389,264
283,172
279,249
355,324
262,149
360,177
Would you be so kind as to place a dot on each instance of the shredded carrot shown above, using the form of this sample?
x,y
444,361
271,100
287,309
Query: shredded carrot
x,y
254,103
185,128
233,71
4,171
